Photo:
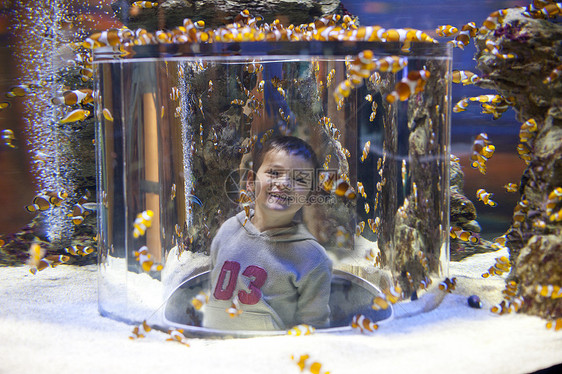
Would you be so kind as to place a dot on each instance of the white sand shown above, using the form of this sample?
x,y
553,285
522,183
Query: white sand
x,y
49,323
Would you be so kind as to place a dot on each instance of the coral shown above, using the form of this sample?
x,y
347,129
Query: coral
x,y
534,243
215,13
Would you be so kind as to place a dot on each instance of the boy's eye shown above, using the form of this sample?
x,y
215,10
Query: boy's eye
x,y
273,173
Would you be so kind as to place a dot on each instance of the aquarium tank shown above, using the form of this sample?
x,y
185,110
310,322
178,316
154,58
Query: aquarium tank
x,y
178,127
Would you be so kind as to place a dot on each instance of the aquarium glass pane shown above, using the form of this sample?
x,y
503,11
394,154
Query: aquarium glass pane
x,y
179,128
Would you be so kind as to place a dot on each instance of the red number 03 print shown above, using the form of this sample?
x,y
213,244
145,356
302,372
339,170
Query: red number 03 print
x,y
231,269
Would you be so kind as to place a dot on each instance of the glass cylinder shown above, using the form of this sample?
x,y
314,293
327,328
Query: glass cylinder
x,y
177,130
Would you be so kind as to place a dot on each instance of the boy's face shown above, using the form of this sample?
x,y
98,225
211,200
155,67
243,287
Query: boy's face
x,y
282,184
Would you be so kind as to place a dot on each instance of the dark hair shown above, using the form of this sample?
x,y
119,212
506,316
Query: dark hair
x,y
290,144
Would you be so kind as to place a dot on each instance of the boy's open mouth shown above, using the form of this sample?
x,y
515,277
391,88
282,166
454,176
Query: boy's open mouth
x,y
279,197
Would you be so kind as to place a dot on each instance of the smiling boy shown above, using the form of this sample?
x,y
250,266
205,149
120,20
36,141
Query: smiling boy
x,y
269,272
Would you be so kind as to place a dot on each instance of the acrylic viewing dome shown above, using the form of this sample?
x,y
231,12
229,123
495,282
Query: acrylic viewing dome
x,y
177,127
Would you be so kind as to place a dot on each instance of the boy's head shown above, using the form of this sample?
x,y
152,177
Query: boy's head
x,y
283,176
289,144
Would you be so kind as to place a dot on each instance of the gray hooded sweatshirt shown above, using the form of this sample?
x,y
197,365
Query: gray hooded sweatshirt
x,y
280,278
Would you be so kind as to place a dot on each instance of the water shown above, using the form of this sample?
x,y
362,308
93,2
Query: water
x,y
179,144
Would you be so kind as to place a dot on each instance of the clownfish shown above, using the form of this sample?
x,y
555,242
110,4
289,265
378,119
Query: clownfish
x,y
361,190
366,149
312,367
359,228
446,30
511,187
493,20
461,105
466,236
234,310
554,198
390,64
550,291
374,223
301,330
201,299
527,130
510,290
140,331
144,4
343,189
501,266
79,250
410,85
363,324
448,285
465,77
8,138
554,74
380,302
524,152
145,260
555,324
107,114
52,261
463,38
175,94
485,197
482,151
76,115
81,96
176,335
492,47
44,202
142,222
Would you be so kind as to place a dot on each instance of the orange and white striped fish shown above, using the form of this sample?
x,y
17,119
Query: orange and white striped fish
x,y
51,260
493,48
380,302
511,187
463,38
554,75
142,222
199,300
366,149
495,18
176,335
140,331
482,151
555,324
234,310
528,130
446,30
391,64
501,266
363,324
510,290
466,236
79,250
145,260
554,199
144,4
550,291
303,363
80,96
465,77
448,285
485,197
301,330
343,189
461,105
410,85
